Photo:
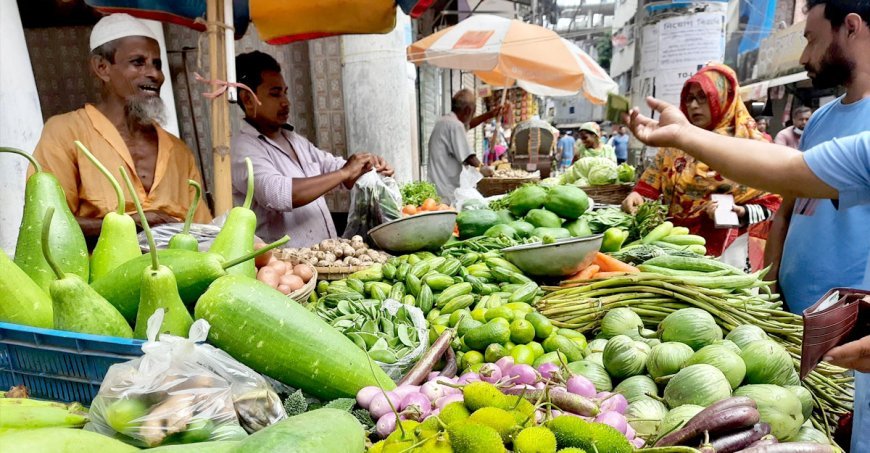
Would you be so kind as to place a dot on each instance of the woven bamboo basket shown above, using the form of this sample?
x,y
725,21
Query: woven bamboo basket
x,y
302,294
608,194
499,186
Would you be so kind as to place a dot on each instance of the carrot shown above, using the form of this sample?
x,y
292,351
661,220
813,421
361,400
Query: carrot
x,y
610,264
587,273
409,209
429,205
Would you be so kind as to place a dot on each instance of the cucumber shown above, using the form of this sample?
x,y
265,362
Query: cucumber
x,y
438,282
658,233
458,303
459,289
524,293
685,239
495,331
277,337
323,431
683,263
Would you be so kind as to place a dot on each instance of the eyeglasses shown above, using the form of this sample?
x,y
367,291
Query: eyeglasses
x,y
702,99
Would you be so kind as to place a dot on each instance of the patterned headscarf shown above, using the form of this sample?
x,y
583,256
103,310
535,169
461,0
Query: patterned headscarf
x,y
728,113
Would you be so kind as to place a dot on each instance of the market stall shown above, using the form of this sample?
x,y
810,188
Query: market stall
x,y
535,322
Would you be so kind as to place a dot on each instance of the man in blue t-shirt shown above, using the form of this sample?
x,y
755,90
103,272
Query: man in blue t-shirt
x,y
619,142
566,150
816,245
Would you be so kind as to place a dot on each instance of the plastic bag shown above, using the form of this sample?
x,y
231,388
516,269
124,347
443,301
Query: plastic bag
x,y
182,392
467,189
203,232
374,200
396,370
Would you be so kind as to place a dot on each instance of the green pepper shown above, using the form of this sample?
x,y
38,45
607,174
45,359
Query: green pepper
x,y
613,240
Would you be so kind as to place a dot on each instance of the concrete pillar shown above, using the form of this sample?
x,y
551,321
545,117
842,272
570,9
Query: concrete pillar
x,y
166,92
378,97
20,120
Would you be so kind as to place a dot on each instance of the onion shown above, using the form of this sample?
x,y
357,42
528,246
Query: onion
x,y
629,432
432,375
379,405
523,374
548,370
445,400
540,416
616,403
579,385
386,424
638,442
404,390
415,406
614,419
490,372
365,395
539,385
557,412
469,377
433,390
434,412
505,363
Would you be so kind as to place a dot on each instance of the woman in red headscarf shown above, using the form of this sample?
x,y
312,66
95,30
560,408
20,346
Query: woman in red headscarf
x,y
711,101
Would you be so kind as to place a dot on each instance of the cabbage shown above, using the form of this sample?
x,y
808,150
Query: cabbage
x,y
767,363
621,321
637,387
584,168
645,416
601,176
730,345
697,384
595,357
596,345
692,326
778,407
594,372
729,363
810,434
581,182
676,418
625,172
667,358
624,357
745,334
805,397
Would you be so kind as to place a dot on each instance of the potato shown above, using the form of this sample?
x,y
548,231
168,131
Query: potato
x,y
263,259
304,272
284,289
293,281
269,276
280,267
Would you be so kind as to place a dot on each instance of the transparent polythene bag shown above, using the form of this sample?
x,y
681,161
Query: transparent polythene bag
x,y
182,392
374,199
467,189
397,370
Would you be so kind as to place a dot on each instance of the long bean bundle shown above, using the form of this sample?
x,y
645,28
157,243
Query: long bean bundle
x,y
732,300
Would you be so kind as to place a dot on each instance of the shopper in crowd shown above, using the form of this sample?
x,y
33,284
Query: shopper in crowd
x,y
291,175
829,247
791,136
619,142
762,124
809,238
449,149
591,145
122,130
711,101
565,148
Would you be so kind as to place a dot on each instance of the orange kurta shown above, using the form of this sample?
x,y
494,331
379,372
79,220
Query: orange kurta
x,y
88,193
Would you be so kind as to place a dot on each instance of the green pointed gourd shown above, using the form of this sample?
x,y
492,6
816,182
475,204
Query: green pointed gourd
x,y
67,244
158,288
236,238
75,305
185,240
118,242
23,302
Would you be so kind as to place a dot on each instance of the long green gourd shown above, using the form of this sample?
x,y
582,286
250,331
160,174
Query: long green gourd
x,y
275,336
77,307
236,238
193,271
185,240
22,301
323,430
118,242
158,289
67,244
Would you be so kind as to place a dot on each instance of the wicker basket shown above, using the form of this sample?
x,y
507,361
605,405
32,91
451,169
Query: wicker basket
x,y
608,194
499,186
302,294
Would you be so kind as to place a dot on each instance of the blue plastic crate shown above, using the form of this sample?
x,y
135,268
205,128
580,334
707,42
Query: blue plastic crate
x,y
58,365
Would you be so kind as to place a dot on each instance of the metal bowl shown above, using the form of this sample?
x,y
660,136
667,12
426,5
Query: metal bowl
x,y
560,259
426,231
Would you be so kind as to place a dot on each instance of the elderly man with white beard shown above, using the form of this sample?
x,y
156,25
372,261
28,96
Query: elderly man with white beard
x,y
122,130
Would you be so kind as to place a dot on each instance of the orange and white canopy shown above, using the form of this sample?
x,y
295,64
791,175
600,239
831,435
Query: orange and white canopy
x,y
502,52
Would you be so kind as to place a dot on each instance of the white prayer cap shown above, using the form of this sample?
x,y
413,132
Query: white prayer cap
x,y
117,26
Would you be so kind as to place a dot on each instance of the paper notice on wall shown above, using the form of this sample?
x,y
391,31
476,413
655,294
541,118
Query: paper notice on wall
x,y
692,40
669,84
649,60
